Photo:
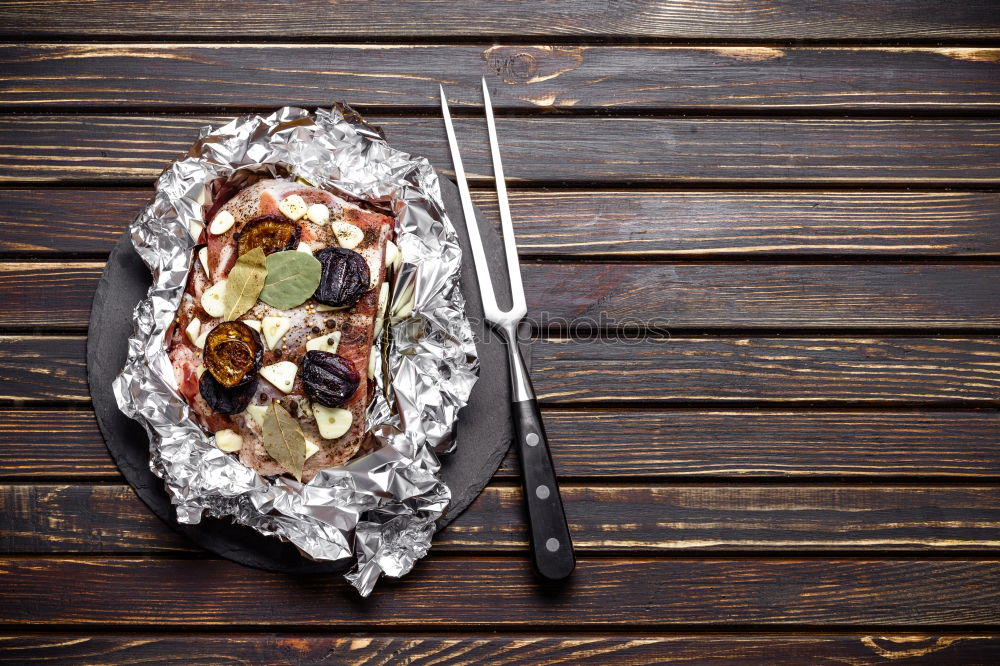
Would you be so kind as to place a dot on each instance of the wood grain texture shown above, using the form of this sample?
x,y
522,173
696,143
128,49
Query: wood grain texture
x,y
870,151
663,444
55,444
521,77
639,593
808,370
583,299
50,369
658,224
58,519
876,370
781,19
570,223
34,222
479,648
769,444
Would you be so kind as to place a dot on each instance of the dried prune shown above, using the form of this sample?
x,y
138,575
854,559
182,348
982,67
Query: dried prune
x,y
344,277
329,379
226,400
271,233
233,353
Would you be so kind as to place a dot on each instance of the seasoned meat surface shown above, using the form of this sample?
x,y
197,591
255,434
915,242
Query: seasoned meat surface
x,y
309,320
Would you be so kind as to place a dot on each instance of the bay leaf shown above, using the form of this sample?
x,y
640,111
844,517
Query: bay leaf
x,y
292,277
284,440
244,283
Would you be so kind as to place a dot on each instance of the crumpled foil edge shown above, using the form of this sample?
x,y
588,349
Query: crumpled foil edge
x,y
378,510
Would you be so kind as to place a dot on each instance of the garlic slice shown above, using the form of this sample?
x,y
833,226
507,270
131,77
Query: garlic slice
x,y
213,300
193,330
281,374
252,323
256,412
348,235
318,213
203,258
393,256
332,422
311,449
221,223
228,441
325,343
383,300
274,328
293,207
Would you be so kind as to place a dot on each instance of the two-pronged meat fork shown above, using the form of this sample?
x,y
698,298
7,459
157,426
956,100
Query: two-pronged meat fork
x,y
550,539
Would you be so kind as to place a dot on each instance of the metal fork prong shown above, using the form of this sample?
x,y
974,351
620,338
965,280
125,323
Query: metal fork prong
x,y
518,308
490,307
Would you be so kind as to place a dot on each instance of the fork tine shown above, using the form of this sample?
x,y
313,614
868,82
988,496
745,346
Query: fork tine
x,y
510,246
490,306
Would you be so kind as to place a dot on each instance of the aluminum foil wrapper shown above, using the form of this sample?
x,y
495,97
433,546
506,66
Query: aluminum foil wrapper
x,y
378,510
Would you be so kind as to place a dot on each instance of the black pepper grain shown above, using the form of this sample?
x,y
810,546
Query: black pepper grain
x,y
331,323
278,352
293,409
315,329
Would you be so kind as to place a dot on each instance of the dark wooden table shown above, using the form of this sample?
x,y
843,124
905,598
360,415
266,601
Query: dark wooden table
x,y
791,208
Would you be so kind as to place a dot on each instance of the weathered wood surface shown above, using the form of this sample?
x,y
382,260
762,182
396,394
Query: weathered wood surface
x,y
44,519
799,200
53,444
905,649
709,150
868,369
50,369
585,298
567,223
775,370
780,19
636,592
82,75
66,446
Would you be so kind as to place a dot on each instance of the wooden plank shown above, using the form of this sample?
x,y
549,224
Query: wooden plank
x,y
877,370
48,294
864,369
684,443
48,369
68,75
705,224
569,223
779,19
598,650
619,444
492,593
581,299
53,444
869,151
55,519
38,221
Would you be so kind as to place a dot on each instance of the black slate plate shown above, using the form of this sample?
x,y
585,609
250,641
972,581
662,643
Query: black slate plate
x,y
484,430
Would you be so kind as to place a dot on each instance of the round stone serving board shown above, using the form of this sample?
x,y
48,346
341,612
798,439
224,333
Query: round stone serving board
x,y
484,428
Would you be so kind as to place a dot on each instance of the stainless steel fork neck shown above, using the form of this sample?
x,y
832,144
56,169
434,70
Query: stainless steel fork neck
x,y
520,383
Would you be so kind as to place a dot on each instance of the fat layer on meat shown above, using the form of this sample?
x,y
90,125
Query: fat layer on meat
x,y
309,320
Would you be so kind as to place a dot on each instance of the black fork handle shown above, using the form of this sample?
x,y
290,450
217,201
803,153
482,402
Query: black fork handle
x,y
551,544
